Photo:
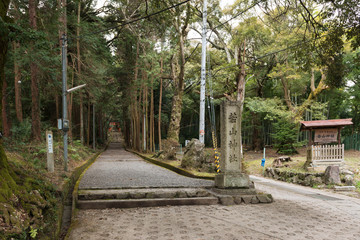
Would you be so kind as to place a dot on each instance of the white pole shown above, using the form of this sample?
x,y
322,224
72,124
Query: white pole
x,y
203,77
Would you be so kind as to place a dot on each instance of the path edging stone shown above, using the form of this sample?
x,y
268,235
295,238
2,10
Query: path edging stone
x,y
170,167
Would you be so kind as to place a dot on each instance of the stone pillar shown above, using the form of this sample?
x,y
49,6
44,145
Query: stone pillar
x,y
50,151
230,175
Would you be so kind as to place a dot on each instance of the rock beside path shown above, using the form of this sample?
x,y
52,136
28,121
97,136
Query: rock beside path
x,y
332,175
194,154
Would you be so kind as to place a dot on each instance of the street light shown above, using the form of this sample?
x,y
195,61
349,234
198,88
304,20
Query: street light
x,y
64,122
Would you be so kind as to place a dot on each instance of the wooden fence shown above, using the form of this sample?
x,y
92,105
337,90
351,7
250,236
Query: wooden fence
x,y
327,154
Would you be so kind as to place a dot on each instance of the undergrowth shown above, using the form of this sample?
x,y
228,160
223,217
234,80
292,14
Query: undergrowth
x,y
30,196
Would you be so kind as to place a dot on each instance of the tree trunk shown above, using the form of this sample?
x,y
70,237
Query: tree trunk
x,y
70,107
79,74
152,142
312,81
17,73
160,101
141,119
57,105
5,121
241,89
6,173
134,104
88,121
256,138
146,112
81,119
175,119
35,108
100,127
321,86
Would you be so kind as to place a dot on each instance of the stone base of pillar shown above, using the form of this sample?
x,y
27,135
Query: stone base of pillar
x,y
232,180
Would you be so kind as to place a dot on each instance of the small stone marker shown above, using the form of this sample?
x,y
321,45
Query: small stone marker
x,y
230,175
50,151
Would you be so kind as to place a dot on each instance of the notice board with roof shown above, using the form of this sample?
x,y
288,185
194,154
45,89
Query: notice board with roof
x,y
321,148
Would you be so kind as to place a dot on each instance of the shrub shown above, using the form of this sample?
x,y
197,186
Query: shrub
x,y
21,132
285,136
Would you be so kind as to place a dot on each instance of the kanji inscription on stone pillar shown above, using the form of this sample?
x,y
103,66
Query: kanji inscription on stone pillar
x,y
230,175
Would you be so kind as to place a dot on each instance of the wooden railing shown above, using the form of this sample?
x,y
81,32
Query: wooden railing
x,y
327,154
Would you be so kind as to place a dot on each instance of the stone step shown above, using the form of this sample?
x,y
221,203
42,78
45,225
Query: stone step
x,y
152,193
155,202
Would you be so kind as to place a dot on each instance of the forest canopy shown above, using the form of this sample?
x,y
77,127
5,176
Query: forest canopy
x,y
296,60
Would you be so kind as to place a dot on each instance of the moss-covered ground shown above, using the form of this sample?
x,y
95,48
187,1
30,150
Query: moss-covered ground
x,y
30,196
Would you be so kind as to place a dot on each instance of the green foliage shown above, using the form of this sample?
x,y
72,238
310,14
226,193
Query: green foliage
x,y
33,232
285,129
358,185
285,136
274,109
21,132
318,110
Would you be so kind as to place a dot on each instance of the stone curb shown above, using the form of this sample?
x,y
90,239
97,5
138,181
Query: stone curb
x,y
170,167
133,203
246,199
223,199
142,193
76,176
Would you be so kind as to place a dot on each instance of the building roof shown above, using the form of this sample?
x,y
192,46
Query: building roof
x,y
305,125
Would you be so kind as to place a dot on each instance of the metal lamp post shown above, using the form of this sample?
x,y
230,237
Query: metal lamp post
x,y
65,122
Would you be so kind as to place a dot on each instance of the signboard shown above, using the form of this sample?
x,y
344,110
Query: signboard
x,y
50,151
326,135
50,143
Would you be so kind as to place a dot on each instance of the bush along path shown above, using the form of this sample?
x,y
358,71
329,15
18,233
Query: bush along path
x,y
31,199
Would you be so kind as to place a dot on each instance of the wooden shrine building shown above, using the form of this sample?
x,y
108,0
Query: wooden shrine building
x,y
324,146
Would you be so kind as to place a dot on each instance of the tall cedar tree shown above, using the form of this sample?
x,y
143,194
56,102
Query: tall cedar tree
x,y
35,108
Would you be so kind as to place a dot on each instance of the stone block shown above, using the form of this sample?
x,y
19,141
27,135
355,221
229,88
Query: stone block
x,y
254,200
137,195
232,180
150,195
122,195
202,193
192,193
247,199
349,180
316,181
164,194
181,194
345,188
226,200
264,199
237,199
346,172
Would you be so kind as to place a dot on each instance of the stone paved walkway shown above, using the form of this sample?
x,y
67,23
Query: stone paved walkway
x,y
297,213
117,168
